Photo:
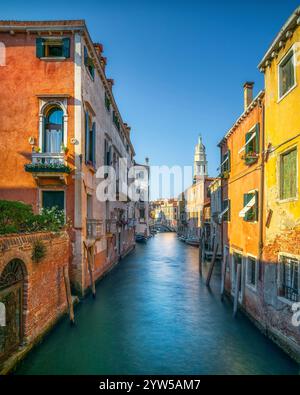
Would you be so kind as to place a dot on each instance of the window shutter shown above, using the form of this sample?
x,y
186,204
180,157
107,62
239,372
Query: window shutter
x,y
85,56
105,152
229,209
40,49
256,206
87,137
229,160
246,200
94,143
66,47
257,138
248,135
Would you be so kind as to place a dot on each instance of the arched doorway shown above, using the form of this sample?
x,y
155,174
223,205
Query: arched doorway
x,y
11,296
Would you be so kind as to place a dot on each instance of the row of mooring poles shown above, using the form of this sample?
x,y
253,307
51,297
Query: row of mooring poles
x,y
225,263
90,267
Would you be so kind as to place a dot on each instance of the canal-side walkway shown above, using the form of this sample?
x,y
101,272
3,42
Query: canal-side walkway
x,y
154,315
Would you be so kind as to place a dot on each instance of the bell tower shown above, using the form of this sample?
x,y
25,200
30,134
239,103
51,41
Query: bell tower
x,y
200,162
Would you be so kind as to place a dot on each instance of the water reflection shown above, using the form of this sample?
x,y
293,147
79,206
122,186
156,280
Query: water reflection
x,y
154,315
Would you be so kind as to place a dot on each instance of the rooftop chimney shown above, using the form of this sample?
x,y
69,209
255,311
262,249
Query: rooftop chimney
x,y
248,94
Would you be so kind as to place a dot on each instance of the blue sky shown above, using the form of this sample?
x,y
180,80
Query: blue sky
x,y
178,66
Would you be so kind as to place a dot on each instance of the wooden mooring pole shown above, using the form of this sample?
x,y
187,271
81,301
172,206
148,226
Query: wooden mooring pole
x,y
237,289
200,254
90,259
223,278
69,296
212,265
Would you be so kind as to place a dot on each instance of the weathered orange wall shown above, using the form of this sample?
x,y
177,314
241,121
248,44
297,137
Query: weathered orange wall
x,y
243,178
23,78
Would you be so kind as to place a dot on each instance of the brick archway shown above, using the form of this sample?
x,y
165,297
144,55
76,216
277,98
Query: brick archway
x,y
12,285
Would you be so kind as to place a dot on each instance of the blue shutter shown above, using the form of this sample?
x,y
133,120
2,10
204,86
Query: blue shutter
x,y
40,49
87,137
66,47
85,56
94,144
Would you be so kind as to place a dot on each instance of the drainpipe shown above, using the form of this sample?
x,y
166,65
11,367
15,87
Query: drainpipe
x,y
261,192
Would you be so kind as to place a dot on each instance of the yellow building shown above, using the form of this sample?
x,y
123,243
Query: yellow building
x,y
281,274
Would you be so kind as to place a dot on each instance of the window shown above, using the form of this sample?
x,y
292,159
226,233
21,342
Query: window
x,y
54,47
250,209
289,278
107,102
142,213
225,165
286,74
252,145
53,130
53,199
116,120
90,140
225,215
89,63
251,276
89,204
288,175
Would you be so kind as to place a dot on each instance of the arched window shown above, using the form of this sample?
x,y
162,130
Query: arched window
x,y
53,130
2,54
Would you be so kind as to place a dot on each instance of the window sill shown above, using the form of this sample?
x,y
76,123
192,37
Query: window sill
x,y
286,93
252,288
285,301
289,200
53,58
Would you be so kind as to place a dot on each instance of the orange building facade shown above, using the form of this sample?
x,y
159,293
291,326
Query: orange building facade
x,y
59,122
241,215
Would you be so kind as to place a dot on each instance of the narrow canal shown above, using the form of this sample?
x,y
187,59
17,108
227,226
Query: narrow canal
x,y
153,314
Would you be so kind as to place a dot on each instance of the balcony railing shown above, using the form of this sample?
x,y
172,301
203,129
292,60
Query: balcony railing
x,y
111,226
48,163
94,228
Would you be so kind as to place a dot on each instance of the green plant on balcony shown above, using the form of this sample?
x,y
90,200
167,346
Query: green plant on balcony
x,y
225,174
251,157
47,167
18,217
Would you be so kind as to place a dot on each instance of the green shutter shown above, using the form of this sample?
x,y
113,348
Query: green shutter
x,y
229,160
66,47
288,175
256,207
40,49
94,143
247,146
87,137
257,138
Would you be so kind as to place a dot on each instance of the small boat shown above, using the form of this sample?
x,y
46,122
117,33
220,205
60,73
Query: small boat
x,y
182,238
193,241
140,238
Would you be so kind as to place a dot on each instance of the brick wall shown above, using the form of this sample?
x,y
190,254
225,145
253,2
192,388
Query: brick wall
x,y
44,296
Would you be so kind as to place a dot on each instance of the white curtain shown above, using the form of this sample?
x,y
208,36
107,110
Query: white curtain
x,y
53,140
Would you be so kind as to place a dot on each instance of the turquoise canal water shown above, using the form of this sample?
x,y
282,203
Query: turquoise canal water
x,y
153,314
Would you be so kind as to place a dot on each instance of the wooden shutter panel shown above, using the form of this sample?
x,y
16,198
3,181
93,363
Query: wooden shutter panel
x,y
229,209
257,138
85,56
256,206
94,144
66,47
229,160
40,49
248,135
87,137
